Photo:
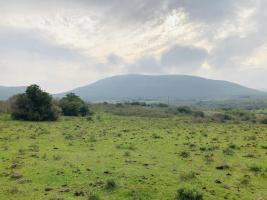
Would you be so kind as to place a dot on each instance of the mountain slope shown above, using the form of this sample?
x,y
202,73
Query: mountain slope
x,y
6,92
179,87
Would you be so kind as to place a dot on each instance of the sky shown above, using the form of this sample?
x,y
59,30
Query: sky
x,y
64,44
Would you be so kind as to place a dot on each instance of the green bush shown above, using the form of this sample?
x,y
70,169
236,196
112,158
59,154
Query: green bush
x,y
93,197
199,114
110,185
73,105
137,103
162,105
184,110
188,193
242,115
255,168
222,117
34,105
264,121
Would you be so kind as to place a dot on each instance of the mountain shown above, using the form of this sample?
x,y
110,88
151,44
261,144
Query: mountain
x,y
6,92
176,87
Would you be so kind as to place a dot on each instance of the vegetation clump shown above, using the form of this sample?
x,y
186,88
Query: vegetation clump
x,y
110,185
73,105
188,193
34,105
184,110
199,114
264,121
222,117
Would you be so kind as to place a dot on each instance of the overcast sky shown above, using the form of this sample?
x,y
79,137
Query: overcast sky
x,y
63,44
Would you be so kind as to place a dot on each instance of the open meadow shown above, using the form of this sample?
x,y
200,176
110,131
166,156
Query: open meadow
x,y
113,157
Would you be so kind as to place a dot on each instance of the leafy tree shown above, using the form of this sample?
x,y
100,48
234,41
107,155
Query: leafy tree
x,y
73,105
34,105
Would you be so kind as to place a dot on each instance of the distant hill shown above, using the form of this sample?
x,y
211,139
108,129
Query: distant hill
x,y
176,87
6,92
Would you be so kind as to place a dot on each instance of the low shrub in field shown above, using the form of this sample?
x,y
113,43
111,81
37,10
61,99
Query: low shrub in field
x,y
187,176
137,103
245,180
110,185
241,114
255,168
188,193
184,154
93,197
228,151
162,105
184,110
222,117
199,114
264,121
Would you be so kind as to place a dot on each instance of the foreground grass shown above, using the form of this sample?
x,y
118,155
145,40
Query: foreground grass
x,y
116,157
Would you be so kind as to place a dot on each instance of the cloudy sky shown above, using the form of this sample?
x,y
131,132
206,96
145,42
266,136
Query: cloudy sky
x,y
62,44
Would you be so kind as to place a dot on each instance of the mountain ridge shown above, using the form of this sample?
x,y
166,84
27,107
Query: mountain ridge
x,y
8,91
152,87
180,87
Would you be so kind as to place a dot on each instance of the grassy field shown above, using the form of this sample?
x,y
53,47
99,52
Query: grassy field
x,y
125,157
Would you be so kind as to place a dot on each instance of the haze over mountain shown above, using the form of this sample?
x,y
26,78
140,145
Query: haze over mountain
x,y
6,92
177,87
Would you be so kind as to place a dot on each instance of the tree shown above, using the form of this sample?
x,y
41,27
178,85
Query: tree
x,y
34,105
73,105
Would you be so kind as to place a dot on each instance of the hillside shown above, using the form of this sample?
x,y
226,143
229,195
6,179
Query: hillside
x,y
176,87
6,92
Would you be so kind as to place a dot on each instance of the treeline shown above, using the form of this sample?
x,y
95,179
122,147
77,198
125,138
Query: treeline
x,y
38,105
144,109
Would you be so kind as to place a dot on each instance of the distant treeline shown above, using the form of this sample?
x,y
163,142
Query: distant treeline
x,y
248,103
37,105
143,109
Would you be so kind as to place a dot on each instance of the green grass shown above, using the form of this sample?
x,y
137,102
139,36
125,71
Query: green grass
x,y
126,157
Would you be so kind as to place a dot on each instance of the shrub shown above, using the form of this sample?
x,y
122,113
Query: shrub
x,y
73,105
255,168
222,117
137,103
34,105
110,185
162,105
186,176
188,193
228,151
264,121
199,114
184,110
184,154
93,197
